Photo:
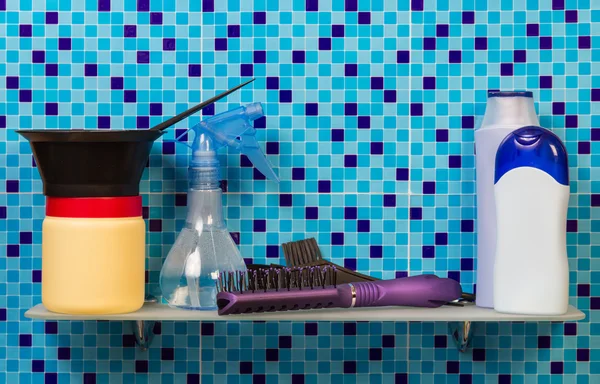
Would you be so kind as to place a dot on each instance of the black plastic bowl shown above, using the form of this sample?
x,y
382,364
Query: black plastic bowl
x,y
91,163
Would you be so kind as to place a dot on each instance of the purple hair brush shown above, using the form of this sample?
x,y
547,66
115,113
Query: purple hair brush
x,y
288,289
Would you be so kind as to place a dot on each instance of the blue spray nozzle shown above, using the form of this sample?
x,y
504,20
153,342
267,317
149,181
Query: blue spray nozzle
x,y
230,129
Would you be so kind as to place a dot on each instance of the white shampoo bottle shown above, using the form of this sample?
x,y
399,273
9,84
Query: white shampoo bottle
x,y
531,273
504,113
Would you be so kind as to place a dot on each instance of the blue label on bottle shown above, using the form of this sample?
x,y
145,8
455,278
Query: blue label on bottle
x,y
534,147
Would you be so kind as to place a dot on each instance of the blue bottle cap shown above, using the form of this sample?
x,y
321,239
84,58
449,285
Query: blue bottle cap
x,y
534,147
510,94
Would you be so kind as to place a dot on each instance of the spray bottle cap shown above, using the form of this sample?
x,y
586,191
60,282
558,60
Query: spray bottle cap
x,y
230,129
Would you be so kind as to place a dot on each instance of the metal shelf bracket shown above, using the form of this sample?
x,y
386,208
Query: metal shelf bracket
x,y
462,334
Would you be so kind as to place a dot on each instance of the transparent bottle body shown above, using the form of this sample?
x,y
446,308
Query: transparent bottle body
x,y
203,249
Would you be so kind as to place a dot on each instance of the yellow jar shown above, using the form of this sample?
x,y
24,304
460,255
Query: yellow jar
x,y
93,255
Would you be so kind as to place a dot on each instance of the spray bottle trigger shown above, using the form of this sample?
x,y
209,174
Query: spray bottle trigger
x,y
250,148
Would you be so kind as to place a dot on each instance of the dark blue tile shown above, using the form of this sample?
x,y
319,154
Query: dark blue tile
x,y
441,238
260,57
440,341
298,378
402,174
416,213
156,18
363,226
442,30
272,82
429,43
298,57
583,290
467,225
25,30
311,109
37,366
416,109
194,70
312,213
402,57
311,329
169,44
298,174
260,225
429,187
285,200
466,265
25,340
141,366
350,213
51,327
452,367
389,96
233,31
272,354
468,17
350,161
375,354
167,354
324,186
454,161
207,329
220,44
208,5
546,42
350,366
51,17
388,341
571,16
64,353
556,367
350,263
337,30
351,5
144,5
455,57
481,43
364,17
285,341
428,252
376,251
324,44
478,354
389,200
585,42
583,354
260,18
246,70
533,29
571,121
364,122
350,329
351,109
376,82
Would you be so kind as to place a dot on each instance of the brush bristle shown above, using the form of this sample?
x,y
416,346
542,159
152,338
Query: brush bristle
x,y
275,279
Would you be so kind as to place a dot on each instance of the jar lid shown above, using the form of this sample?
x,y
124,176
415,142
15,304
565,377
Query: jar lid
x,y
94,207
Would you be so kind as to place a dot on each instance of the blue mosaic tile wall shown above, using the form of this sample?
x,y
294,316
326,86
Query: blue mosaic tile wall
x,y
371,108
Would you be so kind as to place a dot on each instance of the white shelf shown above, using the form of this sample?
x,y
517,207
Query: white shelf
x,y
470,313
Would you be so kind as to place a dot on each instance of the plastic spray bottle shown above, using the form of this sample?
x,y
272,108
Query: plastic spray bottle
x,y
204,247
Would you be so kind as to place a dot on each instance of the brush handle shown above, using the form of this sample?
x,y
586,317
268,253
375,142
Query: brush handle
x,y
417,291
